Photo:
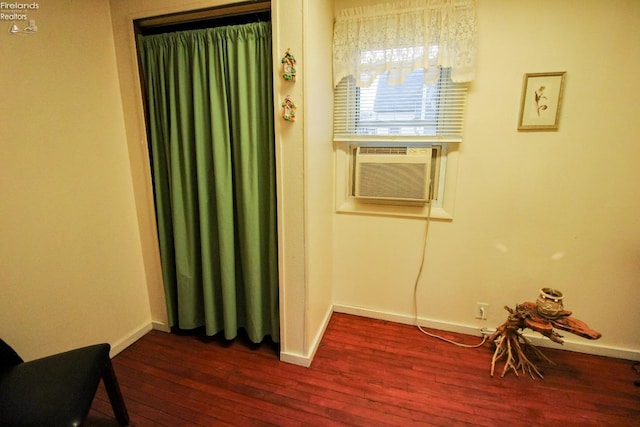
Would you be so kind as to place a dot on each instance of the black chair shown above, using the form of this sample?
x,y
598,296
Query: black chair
x,y
56,390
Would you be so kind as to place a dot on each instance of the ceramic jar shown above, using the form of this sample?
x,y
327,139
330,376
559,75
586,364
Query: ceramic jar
x,y
549,302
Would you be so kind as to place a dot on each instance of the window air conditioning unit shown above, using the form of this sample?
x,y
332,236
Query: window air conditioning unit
x,y
392,175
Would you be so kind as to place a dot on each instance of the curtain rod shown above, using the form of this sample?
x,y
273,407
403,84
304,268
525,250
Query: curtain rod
x,y
203,14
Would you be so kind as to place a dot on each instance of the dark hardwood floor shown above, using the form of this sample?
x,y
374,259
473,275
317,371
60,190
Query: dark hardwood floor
x,y
367,373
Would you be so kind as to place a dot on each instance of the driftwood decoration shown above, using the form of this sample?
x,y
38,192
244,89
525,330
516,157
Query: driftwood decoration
x,y
511,344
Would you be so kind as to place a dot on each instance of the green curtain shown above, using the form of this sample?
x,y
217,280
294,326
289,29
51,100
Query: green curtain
x,y
210,122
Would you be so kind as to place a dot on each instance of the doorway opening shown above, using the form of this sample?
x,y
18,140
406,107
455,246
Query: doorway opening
x,y
208,97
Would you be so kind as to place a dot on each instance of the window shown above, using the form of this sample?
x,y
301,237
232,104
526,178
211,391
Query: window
x,y
399,73
411,114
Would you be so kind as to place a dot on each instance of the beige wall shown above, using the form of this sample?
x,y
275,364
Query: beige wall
x,y
318,161
557,209
304,176
291,177
71,270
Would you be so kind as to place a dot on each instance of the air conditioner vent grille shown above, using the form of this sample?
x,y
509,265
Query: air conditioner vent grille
x,y
383,150
392,174
393,181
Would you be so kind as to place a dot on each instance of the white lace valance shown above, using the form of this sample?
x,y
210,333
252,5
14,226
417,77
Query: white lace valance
x,y
402,36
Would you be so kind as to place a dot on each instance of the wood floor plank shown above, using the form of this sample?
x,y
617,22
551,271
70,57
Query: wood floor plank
x,y
366,372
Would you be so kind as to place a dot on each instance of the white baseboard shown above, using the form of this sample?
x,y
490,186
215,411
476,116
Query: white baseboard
x,y
305,360
160,326
295,359
317,340
132,337
584,346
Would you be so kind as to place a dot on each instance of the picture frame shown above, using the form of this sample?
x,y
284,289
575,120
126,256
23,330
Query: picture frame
x,y
541,101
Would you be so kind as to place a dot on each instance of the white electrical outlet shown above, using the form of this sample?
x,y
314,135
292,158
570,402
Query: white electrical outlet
x,y
482,310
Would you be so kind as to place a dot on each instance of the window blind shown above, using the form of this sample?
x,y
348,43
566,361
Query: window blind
x,y
411,110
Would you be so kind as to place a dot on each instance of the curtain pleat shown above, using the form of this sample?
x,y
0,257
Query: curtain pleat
x,y
210,114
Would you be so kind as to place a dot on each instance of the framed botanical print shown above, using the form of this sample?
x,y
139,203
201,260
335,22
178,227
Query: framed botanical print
x,y
541,101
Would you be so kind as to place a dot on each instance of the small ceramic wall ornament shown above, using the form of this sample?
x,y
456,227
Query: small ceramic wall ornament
x,y
289,66
288,109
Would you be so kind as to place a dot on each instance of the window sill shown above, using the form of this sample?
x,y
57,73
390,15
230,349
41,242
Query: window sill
x,y
352,206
